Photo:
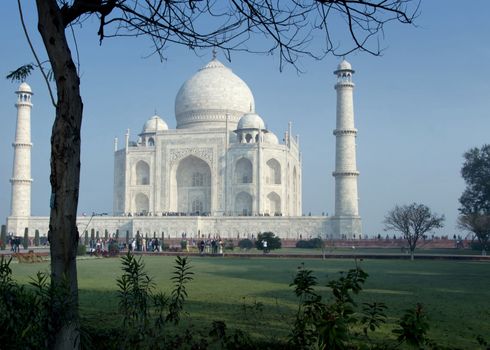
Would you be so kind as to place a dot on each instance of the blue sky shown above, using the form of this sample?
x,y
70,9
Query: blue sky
x,y
418,107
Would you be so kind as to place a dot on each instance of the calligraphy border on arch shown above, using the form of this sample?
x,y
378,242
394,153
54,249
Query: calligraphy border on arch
x,y
178,154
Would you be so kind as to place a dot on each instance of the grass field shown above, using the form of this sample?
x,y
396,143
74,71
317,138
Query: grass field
x,y
455,294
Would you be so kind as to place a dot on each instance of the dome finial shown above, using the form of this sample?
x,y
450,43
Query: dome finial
x,y
215,52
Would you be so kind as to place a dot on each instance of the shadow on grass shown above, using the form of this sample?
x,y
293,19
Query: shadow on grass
x,y
100,311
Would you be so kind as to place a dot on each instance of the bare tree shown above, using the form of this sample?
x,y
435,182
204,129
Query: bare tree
x,y
413,221
287,27
479,225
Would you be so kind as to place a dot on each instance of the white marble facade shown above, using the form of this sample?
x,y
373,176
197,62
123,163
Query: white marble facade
x,y
221,160
221,171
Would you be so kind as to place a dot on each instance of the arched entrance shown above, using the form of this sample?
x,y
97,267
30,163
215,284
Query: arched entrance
x,y
193,180
243,204
141,203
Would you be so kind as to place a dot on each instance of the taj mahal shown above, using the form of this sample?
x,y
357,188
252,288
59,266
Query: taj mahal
x,y
220,172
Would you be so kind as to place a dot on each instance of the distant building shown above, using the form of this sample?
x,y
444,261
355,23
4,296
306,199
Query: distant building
x,y
221,172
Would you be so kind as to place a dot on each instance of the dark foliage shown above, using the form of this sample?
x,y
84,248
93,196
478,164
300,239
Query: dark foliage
x,y
273,242
413,327
476,174
475,200
245,244
313,243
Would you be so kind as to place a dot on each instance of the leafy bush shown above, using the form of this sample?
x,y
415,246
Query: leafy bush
x,y
3,237
113,248
245,244
81,250
183,244
273,242
313,243
228,244
476,245
413,327
144,312
25,241
24,313
36,238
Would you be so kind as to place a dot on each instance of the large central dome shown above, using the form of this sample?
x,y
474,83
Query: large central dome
x,y
214,91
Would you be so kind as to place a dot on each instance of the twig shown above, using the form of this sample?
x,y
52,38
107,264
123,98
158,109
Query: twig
x,y
35,55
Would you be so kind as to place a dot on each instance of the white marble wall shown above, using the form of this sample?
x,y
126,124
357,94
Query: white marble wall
x,y
174,146
226,227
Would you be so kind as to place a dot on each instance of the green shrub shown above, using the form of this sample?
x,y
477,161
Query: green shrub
x,y
183,244
25,241
273,242
3,237
476,245
113,248
413,328
228,244
145,312
81,250
245,244
24,312
303,244
313,243
36,238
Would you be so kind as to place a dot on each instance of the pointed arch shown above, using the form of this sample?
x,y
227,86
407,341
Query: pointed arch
x,y
274,203
243,204
141,203
243,171
142,171
193,185
273,172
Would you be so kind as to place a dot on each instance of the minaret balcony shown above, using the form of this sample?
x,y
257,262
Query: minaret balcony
x,y
16,180
345,173
22,144
342,132
344,84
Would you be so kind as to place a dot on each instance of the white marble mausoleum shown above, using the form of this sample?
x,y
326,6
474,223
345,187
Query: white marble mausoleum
x,y
220,172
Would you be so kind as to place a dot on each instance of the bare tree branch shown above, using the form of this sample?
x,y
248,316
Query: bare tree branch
x,y
46,79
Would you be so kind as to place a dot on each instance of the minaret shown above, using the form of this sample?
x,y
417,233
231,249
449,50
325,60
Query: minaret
x,y
346,199
21,174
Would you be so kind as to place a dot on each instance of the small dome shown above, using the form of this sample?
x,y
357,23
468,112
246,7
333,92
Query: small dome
x,y
271,138
251,121
24,87
344,65
153,125
205,100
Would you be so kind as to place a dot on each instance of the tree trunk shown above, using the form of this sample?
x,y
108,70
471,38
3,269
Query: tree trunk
x,y
65,177
412,254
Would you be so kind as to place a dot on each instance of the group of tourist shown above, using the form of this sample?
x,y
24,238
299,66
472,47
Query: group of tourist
x,y
14,243
141,244
102,246
211,246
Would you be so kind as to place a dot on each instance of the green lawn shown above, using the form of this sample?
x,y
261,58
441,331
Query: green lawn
x,y
455,294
